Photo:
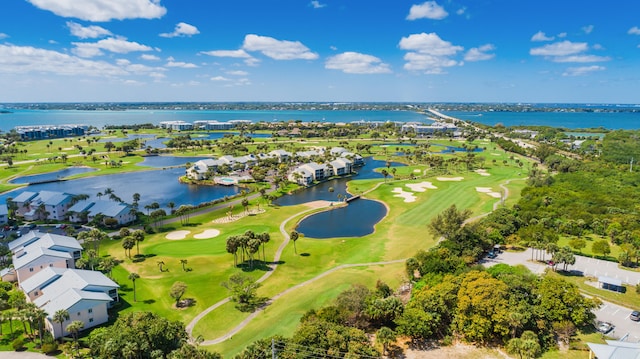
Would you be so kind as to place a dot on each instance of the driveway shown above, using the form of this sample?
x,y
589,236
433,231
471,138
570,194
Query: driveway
x,y
608,312
23,355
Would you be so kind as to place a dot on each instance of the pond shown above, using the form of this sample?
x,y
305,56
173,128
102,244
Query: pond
x,y
51,176
355,220
160,186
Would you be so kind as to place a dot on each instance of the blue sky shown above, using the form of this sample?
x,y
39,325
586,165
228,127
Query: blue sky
x,y
321,50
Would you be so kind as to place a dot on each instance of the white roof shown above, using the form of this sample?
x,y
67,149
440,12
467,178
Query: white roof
x,y
55,281
34,253
108,208
614,350
45,240
25,196
68,299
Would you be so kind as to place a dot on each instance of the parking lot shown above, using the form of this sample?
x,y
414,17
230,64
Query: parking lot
x,y
623,326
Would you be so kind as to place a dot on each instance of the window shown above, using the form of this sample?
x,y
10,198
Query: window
x,y
31,269
90,320
35,294
90,310
78,313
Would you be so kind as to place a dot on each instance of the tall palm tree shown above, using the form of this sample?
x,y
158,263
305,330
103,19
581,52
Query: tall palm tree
x,y
138,236
184,263
60,316
294,235
133,277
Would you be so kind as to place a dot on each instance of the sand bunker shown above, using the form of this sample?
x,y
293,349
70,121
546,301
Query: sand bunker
x,y
489,192
443,179
482,172
496,154
177,235
209,233
421,187
408,196
417,170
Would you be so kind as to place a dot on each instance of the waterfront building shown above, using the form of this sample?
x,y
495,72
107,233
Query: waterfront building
x,y
41,132
4,214
87,210
176,125
43,205
213,125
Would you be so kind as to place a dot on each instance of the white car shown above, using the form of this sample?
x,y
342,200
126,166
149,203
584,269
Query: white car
x,y
604,327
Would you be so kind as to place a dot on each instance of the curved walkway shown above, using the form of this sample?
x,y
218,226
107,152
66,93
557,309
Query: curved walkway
x,y
189,328
272,266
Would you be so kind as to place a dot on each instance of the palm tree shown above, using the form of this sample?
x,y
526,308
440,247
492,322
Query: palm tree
x,y
60,316
171,206
160,265
74,328
107,265
133,277
294,235
184,263
385,174
138,236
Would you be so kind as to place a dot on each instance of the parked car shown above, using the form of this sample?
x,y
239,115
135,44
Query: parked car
x,y
635,316
492,255
604,327
32,226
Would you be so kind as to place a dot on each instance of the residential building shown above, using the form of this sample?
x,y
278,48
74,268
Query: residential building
x,y
43,205
40,132
87,210
341,166
4,214
176,125
213,125
35,251
281,155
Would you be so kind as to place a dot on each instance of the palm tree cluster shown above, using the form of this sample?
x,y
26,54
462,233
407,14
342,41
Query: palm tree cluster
x,y
248,245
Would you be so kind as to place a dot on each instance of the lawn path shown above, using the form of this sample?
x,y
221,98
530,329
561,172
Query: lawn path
x,y
274,265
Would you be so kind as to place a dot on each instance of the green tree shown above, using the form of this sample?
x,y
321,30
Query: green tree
x,y
138,236
177,291
61,316
578,244
448,224
243,291
184,263
133,277
385,336
128,243
601,247
294,235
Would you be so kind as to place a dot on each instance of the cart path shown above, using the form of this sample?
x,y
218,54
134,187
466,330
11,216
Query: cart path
x,y
274,265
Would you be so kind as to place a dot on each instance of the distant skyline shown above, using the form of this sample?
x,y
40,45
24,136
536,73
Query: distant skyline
x,y
322,50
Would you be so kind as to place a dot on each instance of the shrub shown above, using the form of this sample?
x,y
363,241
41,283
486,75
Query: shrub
x,y
49,348
17,344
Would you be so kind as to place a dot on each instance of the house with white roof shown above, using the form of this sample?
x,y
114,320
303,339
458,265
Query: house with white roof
x,y
176,125
85,306
55,204
281,155
341,166
53,281
200,169
36,251
88,210
301,176
29,263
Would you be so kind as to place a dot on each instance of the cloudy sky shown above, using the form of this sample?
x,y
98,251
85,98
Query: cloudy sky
x,y
320,50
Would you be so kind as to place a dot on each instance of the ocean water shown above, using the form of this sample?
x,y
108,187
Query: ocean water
x,y
98,119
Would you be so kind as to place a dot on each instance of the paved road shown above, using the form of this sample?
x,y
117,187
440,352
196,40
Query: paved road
x,y
23,355
608,312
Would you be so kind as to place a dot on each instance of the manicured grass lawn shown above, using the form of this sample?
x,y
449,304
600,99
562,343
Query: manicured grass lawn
x,y
590,239
629,298
398,236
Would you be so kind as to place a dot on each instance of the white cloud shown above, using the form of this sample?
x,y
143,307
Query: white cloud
x,y
182,29
581,71
582,58
87,32
171,62
634,31
220,78
562,48
149,57
317,5
3,35
241,54
117,45
461,11
562,35
587,29
427,10
428,53
238,73
480,53
278,49
541,36
357,63
27,59
103,10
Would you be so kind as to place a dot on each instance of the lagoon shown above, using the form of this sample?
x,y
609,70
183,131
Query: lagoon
x,y
355,220
51,176
159,186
